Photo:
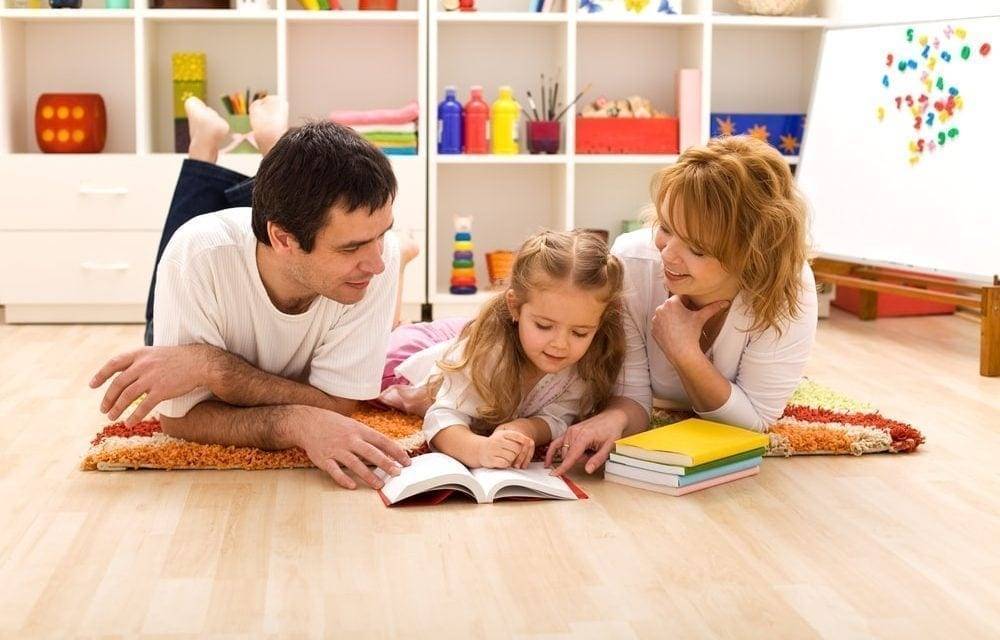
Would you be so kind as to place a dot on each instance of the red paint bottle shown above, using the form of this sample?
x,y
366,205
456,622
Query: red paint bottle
x,y
476,123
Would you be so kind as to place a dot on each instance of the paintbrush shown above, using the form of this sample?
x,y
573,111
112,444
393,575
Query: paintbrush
x,y
531,101
552,101
555,92
578,96
544,110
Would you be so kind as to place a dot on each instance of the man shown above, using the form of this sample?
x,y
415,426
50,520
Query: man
x,y
271,321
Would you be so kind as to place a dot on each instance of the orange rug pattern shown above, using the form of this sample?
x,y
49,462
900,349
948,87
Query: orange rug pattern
x,y
145,446
816,421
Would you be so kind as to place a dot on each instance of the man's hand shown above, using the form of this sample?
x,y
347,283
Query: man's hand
x,y
162,373
332,441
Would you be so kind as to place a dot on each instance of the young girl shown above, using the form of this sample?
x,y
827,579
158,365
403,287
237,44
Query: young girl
x,y
539,356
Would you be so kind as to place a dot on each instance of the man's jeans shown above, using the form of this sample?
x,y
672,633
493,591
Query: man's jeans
x,y
201,188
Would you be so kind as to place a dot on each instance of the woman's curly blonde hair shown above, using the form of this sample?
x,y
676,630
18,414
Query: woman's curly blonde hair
x,y
737,202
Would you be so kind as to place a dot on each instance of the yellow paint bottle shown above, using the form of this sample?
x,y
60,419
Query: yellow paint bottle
x,y
504,123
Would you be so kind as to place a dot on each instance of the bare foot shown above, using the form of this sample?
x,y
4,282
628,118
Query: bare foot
x,y
408,250
208,130
269,121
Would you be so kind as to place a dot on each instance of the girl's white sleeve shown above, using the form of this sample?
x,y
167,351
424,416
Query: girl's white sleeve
x,y
456,403
565,409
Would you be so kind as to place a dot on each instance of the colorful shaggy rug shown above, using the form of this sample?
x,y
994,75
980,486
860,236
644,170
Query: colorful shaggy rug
x,y
820,421
817,420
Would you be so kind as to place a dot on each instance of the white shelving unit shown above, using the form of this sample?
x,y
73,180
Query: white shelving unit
x,y
89,255
78,233
748,64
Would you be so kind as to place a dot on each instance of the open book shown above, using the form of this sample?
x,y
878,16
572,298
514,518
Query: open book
x,y
441,475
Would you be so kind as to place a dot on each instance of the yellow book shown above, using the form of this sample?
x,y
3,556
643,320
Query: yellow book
x,y
690,442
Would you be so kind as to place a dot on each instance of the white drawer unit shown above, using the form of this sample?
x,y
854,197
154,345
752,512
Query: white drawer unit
x,y
94,192
76,276
78,234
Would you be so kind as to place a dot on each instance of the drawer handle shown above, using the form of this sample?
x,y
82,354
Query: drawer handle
x,y
103,191
91,265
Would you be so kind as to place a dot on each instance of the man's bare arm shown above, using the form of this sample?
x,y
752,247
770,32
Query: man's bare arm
x,y
331,441
164,373
237,382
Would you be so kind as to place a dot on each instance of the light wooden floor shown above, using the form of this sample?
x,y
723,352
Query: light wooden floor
x,y
837,547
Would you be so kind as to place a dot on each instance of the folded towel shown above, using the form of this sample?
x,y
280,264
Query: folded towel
x,y
403,115
409,127
411,151
391,137
395,145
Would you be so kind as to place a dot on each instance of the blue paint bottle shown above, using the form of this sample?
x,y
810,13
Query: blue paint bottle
x,y
449,123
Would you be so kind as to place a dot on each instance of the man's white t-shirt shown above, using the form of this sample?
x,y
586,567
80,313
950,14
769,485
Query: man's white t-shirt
x,y
209,291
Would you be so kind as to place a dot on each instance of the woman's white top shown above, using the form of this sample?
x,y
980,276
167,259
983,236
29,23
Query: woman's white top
x,y
763,368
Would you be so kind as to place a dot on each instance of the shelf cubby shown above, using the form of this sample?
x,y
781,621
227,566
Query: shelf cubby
x,y
507,204
99,59
607,196
239,55
330,62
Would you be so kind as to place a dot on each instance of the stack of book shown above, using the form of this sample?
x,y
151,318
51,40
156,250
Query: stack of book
x,y
685,457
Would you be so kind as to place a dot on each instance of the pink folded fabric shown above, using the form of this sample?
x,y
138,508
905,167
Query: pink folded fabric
x,y
409,113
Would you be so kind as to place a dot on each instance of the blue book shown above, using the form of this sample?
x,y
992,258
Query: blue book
x,y
673,480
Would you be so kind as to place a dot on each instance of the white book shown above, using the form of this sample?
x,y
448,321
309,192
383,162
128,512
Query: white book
x,y
645,464
674,480
680,491
434,471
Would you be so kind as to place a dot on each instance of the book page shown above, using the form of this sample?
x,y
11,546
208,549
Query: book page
x,y
426,472
533,482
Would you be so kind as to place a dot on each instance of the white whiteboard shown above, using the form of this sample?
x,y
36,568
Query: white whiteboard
x,y
868,202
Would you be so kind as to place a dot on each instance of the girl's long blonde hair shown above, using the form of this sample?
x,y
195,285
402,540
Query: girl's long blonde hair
x,y
493,355
739,204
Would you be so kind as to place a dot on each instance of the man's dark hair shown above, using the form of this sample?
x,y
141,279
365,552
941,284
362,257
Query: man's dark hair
x,y
313,168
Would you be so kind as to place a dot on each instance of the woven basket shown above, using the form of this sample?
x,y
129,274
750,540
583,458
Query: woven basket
x,y
771,7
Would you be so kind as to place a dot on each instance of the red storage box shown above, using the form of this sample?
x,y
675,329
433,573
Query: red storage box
x,y
889,305
627,135
892,306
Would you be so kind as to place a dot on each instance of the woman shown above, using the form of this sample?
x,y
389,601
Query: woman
x,y
720,302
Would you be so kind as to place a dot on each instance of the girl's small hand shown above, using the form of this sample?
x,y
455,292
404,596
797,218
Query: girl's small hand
x,y
505,448
678,330
524,427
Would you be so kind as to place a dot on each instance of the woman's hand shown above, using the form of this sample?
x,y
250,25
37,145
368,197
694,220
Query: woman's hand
x,y
505,448
678,330
597,433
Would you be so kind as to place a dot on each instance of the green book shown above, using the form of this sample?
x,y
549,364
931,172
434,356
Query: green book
x,y
681,471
